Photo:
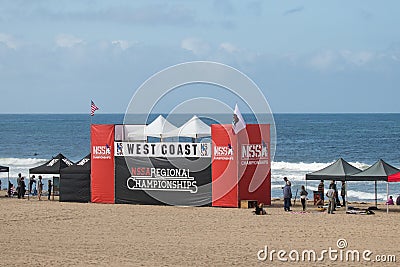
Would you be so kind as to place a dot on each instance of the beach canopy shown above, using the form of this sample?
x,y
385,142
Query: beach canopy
x,y
394,177
155,129
194,128
52,166
379,171
4,169
75,182
339,170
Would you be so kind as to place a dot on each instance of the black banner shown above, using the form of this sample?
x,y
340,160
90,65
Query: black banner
x,y
162,181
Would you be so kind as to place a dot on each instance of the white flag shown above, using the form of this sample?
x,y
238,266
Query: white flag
x,y
238,122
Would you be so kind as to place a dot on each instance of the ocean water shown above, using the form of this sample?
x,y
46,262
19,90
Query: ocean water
x,y
304,143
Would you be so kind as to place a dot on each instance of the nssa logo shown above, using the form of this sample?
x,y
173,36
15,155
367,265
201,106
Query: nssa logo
x,y
254,153
223,152
102,152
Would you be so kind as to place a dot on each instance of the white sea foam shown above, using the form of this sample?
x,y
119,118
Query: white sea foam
x,y
19,165
296,173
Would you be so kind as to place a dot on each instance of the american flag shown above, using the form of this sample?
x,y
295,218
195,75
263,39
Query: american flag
x,y
93,108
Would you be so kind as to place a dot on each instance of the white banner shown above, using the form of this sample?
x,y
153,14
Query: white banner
x,y
174,150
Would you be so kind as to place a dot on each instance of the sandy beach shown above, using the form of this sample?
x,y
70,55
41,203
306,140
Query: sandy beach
x,y
72,234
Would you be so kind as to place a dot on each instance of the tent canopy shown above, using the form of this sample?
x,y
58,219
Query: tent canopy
x,y
339,170
82,166
75,181
155,129
194,128
4,169
52,166
379,171
394,177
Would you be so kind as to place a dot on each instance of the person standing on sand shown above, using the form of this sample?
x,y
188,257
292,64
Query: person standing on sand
x,y
332,185
343,193
19,185
331,197
31,181
49,186
40,187
303,197
287,194
321,189
22,189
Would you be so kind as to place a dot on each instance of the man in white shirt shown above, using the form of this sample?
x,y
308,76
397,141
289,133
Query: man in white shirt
x,y
331,197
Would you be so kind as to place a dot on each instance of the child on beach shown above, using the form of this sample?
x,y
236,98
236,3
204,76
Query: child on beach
x,y
260,209
303,196
390,201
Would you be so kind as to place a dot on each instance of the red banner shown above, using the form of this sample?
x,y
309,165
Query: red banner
x,y
254,163
102,160
241,165
224,166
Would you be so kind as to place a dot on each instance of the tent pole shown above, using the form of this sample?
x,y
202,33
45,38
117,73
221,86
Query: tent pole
x,y
29,185
376,196
387,197
345,192
8,181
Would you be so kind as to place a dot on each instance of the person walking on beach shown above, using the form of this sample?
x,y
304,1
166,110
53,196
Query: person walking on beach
x,y
287,194
321,189
19,185
40,187
343,193
49,186
331,197
303,197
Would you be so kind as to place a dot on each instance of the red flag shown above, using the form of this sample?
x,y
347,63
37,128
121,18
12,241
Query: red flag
x,y
93,108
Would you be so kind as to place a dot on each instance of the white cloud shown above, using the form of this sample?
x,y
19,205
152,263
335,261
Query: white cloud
x,y
123,44
357,58
68,41
323,60
8,40
228,47
197,46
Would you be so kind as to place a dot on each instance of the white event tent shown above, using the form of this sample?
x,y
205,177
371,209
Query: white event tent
x,y
194,128
155,129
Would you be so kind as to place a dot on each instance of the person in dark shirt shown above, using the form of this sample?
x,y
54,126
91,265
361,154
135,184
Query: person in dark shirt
x,y
321,189
49,186
260,209
303,197
22,188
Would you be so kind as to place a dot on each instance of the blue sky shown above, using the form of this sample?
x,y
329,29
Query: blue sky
x,y
306,56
